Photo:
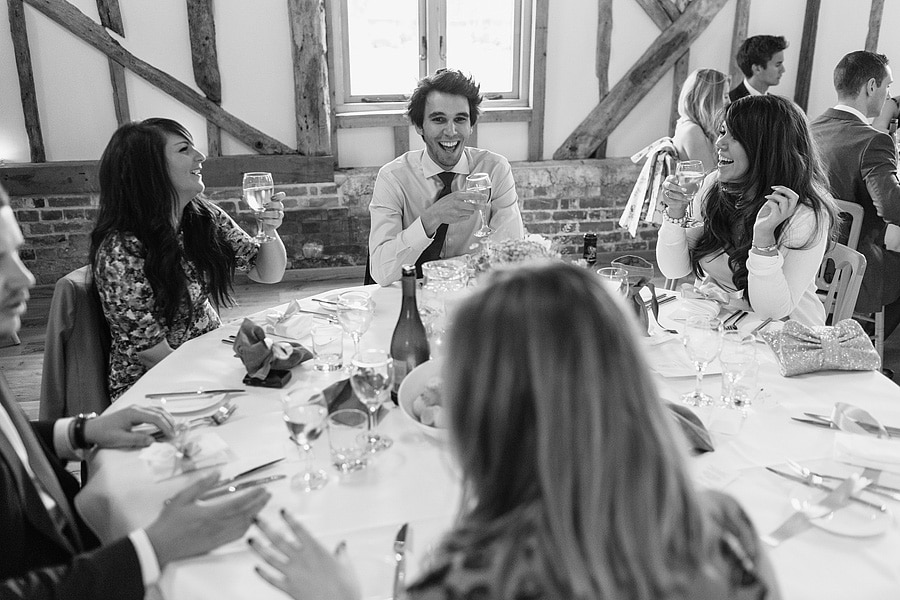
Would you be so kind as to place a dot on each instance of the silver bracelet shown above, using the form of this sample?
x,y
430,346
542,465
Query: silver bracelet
x,y
764,249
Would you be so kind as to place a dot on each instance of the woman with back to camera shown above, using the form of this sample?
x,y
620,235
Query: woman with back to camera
x,y
574,475
161,254
763,219
703,96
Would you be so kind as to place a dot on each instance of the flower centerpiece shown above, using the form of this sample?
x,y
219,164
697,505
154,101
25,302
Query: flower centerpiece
x,y
490,254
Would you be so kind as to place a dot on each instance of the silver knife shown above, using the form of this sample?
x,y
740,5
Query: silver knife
x,y
196,393
822,486
799,521
400,558
236,487
866,426
247,472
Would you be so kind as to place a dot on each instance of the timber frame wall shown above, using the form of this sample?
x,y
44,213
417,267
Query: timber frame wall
x,y
56,202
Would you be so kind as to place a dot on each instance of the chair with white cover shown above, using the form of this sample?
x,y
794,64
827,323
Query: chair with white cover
x,y
76,355
839,277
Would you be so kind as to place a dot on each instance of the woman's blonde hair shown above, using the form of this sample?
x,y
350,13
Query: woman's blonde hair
x,y
551,408
702,99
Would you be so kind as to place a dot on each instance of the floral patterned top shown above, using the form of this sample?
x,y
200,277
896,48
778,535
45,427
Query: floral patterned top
x,y
129,302
511,563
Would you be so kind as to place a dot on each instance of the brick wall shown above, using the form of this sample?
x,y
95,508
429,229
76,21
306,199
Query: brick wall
x,y
560,199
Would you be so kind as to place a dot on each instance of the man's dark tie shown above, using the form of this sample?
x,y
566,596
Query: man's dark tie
x,y
433,251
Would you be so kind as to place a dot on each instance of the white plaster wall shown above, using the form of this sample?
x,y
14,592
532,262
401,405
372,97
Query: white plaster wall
x,y
74,93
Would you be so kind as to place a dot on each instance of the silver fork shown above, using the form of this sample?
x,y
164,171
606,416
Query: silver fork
x,y
222,414
819,479
739,315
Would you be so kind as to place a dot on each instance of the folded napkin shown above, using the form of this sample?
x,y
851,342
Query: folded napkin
x,y
862,438
802,349
199,450
291,323
260,355
340,395
710,291
696,433
695,308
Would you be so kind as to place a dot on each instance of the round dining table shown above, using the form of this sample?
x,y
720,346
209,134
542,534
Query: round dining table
x,y
416,481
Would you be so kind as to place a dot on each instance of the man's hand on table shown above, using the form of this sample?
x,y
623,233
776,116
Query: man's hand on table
x,y
113,429
307,569
187,527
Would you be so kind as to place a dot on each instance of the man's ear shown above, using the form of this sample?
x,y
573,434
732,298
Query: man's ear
x,y
419,130
871,86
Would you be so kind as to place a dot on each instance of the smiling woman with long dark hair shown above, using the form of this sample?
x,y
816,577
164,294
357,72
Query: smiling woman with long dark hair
x,y
161,254
764,217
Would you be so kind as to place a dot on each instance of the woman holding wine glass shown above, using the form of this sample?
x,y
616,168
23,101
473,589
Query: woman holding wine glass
x,y
763,218
575,478
161,254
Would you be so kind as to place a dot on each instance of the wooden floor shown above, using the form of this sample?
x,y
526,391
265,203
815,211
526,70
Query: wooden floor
x,y
21,364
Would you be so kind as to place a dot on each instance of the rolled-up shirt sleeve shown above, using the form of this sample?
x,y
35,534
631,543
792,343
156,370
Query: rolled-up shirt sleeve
x,y
390,244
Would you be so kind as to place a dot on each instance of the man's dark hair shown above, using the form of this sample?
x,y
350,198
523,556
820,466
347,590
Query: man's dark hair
x,y
758,50
856,68
448,81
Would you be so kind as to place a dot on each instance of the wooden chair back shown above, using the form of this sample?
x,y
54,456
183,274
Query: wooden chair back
x,y
839,278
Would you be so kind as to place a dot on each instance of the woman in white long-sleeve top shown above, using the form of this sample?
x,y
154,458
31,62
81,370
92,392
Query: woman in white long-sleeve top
x,y
763,219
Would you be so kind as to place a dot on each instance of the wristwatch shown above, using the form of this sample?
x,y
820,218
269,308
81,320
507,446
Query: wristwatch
x,y
78,439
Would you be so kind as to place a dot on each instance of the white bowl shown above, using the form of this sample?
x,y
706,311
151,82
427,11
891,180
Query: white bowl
x,y
414,384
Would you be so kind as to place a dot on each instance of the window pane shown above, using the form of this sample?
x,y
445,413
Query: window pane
x,y
481,40
383,46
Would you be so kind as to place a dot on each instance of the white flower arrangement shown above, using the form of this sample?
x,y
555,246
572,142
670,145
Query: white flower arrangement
x,y
491,254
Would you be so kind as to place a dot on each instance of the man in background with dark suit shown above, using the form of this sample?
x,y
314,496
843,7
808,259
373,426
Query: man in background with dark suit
x,y
761,59
47,551
861,161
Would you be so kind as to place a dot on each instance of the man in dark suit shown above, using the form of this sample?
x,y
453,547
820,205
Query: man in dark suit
x,y
861,162
47,551
761,59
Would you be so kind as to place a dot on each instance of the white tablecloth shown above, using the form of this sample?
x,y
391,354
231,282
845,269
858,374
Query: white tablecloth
x,y
415,481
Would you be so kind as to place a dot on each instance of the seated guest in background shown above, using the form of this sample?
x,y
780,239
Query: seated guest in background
x,y
161,254
764,216
420,209
574,475
761,59
48,552
703,96
861,162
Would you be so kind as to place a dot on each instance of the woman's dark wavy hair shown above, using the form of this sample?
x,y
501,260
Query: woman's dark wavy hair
x,y
776,138
137,197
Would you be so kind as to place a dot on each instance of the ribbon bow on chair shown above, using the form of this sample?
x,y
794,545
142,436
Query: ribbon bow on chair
x,y
801,349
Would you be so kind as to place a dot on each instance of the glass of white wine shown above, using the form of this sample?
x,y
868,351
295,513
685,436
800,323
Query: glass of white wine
x,y
372,377
702,339
258,189
354,312
480,183
304,411
689,175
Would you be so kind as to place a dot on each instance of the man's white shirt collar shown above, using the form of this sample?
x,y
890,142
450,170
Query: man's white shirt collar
x,y
853,111
431,168
753,91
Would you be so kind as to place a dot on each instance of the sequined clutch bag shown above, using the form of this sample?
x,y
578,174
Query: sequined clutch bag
x,y
802,349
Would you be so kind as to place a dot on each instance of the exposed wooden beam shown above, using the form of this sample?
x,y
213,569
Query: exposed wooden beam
x,y
205,62
72,19
669,7
26,80
538,81
111,16
638,80
807,51
213,139
656,13
80,177
738,35
875,14
679,74
329,58
312,98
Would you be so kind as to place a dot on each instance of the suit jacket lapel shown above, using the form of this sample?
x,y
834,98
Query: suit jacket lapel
x,y
31,500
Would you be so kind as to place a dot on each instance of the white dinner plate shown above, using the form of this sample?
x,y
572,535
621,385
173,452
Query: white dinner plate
x,y
332,297
178,405
854,520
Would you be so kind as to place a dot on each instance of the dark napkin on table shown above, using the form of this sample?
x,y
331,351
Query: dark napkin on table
x,y
697,435
261,355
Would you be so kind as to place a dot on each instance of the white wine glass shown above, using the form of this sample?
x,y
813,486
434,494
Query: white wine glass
x,y
739,369
702,339
304,411
371,377
480,184
689,175
258,189
615,279
354,312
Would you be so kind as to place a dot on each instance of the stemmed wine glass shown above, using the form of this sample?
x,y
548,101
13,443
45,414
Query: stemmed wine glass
x,y
372,376
258,189
354,312
689,175
304,412
615,279
480,183
702,339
